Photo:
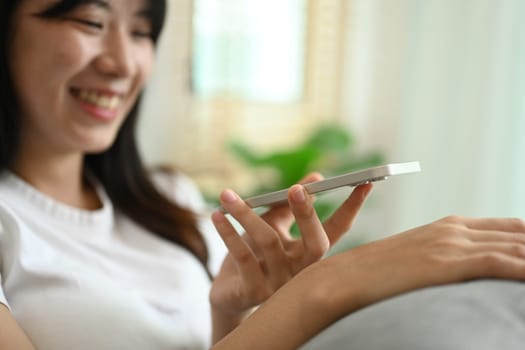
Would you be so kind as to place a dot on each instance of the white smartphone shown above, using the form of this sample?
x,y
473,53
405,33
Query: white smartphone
x,y
352,179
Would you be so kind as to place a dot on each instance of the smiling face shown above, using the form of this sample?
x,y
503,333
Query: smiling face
x,y
78,75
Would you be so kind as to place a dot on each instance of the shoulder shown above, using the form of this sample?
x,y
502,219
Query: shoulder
x,y
9,222
181,189
178,187
184,191
11,230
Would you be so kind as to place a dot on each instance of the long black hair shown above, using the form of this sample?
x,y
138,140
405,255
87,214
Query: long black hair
x,y
120,168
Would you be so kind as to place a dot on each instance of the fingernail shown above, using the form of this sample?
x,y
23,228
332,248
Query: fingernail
x,y
217,216
367,190
229,196
298,194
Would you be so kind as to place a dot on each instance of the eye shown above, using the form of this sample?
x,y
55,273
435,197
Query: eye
x,y
89,23
141,29
141,34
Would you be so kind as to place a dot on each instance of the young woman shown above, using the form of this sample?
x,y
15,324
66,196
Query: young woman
x,y
98,253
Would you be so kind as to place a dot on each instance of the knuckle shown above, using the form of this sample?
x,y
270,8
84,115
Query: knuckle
x,y
317,251
259,294
270,242
453,219
448,244
518,224
518,250
451,231
243,256
305,212
493,260
451,237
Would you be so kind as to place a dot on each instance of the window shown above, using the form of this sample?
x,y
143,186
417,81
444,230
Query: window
x,y
253,50
262,71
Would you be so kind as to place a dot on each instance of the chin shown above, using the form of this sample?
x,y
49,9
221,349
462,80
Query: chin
x,y
94,143
99,147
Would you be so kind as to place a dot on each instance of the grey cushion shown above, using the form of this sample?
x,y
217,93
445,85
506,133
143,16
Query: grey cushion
x,y
479,315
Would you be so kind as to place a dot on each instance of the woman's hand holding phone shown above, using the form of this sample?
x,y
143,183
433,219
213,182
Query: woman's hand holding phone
x,y
266,256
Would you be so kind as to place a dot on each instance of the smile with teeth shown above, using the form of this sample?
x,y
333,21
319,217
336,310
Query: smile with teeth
x,y
99,100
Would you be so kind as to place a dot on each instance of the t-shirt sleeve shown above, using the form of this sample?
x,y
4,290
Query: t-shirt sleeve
x,y
183,190
3,299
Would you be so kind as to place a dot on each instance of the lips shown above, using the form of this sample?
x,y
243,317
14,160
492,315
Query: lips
x,y
102,105
100,99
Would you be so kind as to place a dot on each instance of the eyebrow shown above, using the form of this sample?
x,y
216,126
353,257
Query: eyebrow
x,y
104,4
145,12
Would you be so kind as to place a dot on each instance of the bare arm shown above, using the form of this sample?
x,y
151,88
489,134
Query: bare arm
x,y
450,250
267,256
11,335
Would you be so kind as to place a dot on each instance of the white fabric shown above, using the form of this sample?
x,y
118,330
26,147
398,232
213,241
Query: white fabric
x,y
477,315
439,81
77,279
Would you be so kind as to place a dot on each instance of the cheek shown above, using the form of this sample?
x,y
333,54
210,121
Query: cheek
x,y
42,63
68,55
30,74
145,59
72,54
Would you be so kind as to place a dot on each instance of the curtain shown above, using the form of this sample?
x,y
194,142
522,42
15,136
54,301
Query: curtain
x,y
442,82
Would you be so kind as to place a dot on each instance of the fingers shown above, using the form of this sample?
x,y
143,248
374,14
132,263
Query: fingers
x,y
280,217
497,236
494,264
499,254
268,245
242,255
317,237
489,252
314,238
516,250
494,260
343,218
491,224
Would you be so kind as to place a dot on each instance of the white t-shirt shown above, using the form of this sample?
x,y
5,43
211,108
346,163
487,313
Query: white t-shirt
x,y
78,279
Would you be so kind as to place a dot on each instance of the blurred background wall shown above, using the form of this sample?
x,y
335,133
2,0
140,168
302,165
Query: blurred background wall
x,y
439,81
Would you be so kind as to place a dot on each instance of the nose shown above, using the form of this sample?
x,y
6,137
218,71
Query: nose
x,y
116,57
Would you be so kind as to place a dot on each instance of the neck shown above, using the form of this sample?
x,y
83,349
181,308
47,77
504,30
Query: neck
x,y
60,176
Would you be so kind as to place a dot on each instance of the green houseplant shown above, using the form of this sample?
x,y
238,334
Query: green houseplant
x,y
330,149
